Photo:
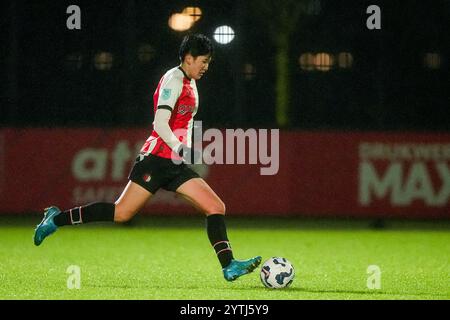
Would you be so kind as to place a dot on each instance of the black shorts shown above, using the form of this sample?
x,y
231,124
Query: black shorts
x,y
152,172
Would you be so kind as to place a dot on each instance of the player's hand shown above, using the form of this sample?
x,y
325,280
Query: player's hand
x,y
190,155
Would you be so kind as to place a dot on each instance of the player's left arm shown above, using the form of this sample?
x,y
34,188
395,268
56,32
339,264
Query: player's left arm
x,y
169,93
161,125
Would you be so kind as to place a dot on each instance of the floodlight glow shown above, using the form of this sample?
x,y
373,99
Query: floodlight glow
x,y
194,12
224,34
180,22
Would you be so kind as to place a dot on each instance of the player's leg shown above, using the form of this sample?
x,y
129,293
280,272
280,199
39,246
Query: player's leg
x,y
127,205
201,195
130,201
139,189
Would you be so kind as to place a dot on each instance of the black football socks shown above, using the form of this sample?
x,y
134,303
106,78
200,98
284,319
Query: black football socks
x,y
98,211
217,234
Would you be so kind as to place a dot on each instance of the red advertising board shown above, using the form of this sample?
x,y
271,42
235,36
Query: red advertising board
x,y
319,174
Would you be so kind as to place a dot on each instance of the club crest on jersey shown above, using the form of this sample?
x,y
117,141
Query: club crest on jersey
x,y
147,177
166,94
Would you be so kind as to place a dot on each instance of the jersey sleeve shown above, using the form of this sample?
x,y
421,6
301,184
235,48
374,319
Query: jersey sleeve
x,y
161,125
170,91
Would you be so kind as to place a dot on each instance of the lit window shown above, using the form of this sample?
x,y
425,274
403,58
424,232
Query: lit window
x,y
345,60
103,61
307,61
74,61
323,61
224,34
249,71
313,7
146,53
432,60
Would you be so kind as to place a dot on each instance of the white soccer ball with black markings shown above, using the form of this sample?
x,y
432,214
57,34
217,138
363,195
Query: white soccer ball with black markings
x,y
277,273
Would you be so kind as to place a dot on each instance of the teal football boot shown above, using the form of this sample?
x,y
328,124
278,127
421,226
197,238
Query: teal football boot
x,y
238,268
47,226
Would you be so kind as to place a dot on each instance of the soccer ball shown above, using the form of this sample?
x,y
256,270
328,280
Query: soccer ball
x,y
277,273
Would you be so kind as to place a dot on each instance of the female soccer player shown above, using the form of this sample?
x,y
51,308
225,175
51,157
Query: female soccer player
x,y
160,163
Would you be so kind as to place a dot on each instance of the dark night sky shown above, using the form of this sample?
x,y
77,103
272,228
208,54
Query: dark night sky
x,y
388,86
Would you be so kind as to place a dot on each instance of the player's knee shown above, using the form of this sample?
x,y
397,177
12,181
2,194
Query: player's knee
x,y
217,208
120,218
122,215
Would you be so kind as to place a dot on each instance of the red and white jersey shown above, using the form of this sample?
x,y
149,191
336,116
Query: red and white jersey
x,y
179,92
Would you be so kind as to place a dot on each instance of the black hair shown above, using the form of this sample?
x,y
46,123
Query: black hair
x,y
196,45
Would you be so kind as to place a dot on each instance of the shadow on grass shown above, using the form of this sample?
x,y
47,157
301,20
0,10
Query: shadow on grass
x,y
365,294
338,291
143,286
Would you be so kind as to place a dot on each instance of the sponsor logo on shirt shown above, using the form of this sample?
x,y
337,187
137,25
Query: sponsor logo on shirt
x,y
185,109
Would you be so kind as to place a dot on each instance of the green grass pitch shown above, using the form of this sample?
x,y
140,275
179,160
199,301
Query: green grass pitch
x,y
171,258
